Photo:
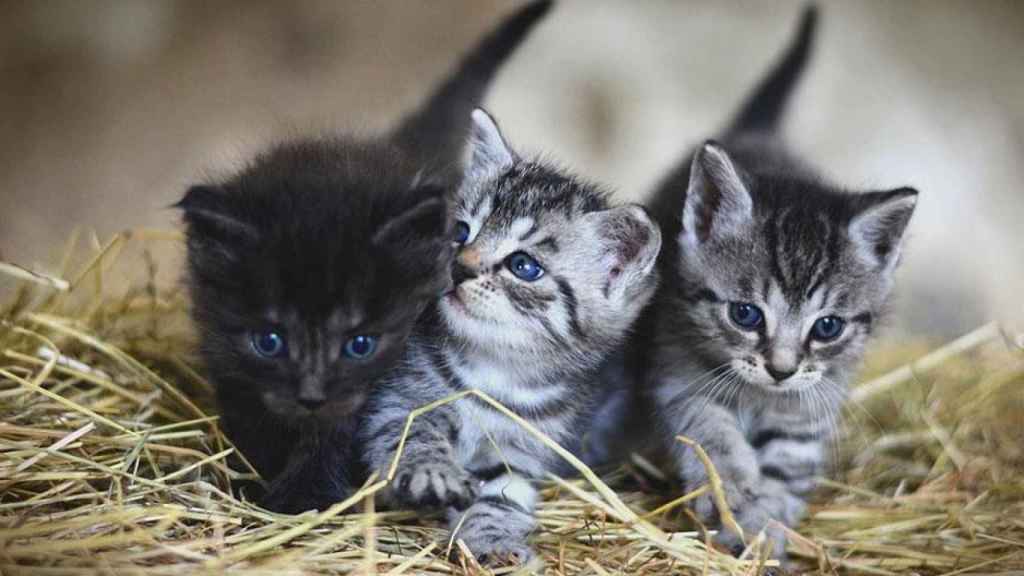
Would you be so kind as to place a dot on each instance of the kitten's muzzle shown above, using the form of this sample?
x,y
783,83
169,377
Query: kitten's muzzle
x,y
311,404
311,395
780,373
462,273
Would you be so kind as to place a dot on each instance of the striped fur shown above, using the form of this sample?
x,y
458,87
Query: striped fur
x,y
752,225
534,346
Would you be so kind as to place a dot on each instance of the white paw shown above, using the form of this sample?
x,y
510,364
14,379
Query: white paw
x,y
434,484
495,550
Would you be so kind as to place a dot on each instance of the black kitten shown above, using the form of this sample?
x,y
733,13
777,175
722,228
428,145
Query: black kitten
x,y
309,267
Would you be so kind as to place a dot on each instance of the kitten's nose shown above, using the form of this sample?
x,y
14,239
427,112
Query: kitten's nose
x,y
461,273
311,397
780,374
311,403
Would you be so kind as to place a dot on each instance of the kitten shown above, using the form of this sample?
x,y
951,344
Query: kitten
x,y
308,269
547,281
771,288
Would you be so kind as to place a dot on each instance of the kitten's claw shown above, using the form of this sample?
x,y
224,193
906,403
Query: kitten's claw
x,y
497,552
435,485
755,510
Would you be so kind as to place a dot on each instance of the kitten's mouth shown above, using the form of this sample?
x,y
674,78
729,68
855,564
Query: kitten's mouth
x,y
453,299
340,408
332,409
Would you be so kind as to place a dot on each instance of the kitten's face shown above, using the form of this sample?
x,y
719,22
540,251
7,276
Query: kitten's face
x,y
308,271
543,265
782,314
785,281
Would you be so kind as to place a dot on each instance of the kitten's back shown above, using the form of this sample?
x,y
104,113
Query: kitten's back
x,y
752,135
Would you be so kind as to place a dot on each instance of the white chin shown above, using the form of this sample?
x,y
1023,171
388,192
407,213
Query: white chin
x,y
787,386
457,317
482,332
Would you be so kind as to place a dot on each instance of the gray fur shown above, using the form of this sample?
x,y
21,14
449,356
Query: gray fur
x,y
798,250
534,346
753,225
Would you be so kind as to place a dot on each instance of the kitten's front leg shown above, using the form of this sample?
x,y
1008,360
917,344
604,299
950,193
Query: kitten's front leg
x,y
297,489
319,472
428,474
774,505
497,525
754,500
717,431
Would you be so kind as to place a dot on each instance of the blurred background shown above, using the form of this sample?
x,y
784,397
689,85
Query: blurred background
x,y
109,109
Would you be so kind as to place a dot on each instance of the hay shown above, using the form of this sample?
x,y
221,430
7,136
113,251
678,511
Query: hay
x,y
113,461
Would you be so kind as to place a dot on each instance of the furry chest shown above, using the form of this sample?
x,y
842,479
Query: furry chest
x,y
488,437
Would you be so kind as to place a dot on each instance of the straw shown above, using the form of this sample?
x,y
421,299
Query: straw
x,y
113,461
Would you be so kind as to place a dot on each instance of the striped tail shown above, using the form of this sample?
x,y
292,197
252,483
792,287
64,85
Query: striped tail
x,y
764,108
437,132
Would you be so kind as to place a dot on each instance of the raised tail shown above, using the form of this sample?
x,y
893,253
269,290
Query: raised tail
x,y
438,130
763,109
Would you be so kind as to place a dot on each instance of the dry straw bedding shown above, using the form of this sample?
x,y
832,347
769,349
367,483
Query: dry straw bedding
x,y
113,462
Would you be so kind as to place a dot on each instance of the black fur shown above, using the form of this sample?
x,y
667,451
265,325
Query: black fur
x,y
294,242
765,105
321,240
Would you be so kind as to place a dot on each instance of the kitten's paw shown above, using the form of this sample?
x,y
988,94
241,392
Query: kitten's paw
x,y
496,550
740,494
775,537
292,502
435,484
738,473
768,510
288,495
496,530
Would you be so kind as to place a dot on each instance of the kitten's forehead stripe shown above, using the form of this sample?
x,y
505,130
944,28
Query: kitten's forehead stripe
x,y
549,243
801,249
481,197
746,286
527,189
530,231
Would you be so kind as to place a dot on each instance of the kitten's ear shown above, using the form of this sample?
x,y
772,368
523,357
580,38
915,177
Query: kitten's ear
x,y
425,220
878,226
631,242
487,151
209,210
717,200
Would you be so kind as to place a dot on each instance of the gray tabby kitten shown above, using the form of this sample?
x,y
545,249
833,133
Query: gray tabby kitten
x,y
548,280
772,287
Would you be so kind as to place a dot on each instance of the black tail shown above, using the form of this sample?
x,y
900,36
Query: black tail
x,y
764,107
438,130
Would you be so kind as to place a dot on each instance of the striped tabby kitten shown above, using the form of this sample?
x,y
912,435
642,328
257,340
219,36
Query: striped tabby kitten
x,y
548,280
772,287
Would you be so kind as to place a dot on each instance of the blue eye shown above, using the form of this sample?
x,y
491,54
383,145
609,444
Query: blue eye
x,y
524,266
461,232
268,343
360,346
746,316
827,328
